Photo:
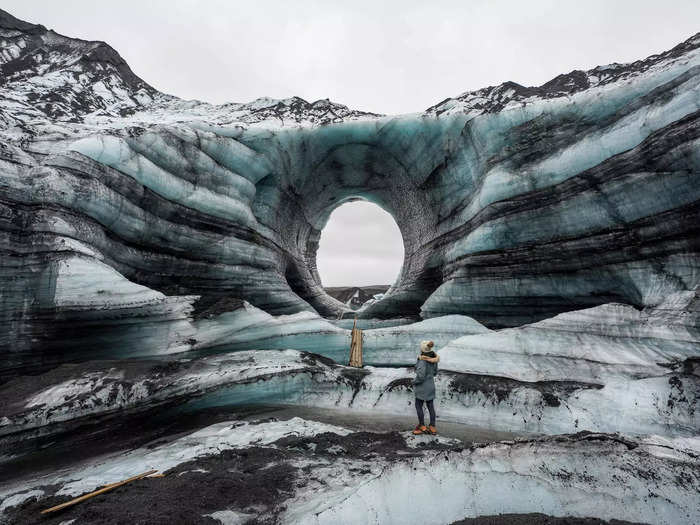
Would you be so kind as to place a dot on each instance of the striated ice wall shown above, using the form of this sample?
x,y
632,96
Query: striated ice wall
x,y
515,204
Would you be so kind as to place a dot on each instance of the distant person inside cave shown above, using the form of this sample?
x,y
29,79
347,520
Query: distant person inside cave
x,y
424,386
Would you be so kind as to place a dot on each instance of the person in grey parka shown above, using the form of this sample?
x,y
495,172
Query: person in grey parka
x,y
424,386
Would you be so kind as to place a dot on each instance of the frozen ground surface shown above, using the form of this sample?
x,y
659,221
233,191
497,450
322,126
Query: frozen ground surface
x,y
111,454
372,421
158,426
266,465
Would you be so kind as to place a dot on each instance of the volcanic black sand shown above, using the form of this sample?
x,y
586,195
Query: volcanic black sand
x,y
253,480
256,480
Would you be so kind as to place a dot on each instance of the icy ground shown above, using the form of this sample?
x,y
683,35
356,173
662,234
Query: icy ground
x,y
303,471
99,414
63,399
565,386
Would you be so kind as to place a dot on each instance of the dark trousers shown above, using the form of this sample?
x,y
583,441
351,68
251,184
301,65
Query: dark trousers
x,y
421,415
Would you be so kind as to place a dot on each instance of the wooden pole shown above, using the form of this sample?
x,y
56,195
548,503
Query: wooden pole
x,y
356,346
104,489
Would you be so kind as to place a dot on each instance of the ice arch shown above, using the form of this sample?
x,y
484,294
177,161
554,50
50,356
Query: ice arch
x,y
319,168
360,245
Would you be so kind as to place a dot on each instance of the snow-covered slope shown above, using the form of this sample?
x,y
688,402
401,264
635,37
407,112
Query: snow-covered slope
x,y
45,75
68,85
510,95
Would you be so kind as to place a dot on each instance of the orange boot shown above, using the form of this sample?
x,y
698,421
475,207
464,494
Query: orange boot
x,y
432,430
420,429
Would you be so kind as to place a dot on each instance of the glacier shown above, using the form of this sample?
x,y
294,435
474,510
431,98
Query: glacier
x,y
512,209
158,257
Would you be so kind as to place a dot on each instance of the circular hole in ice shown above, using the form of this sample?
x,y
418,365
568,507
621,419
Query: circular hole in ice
x,y
361,245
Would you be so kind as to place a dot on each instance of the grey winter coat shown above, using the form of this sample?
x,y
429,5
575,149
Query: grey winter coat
x,y
424,384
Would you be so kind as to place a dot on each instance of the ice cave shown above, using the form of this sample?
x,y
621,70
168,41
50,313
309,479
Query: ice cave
x,y
162,310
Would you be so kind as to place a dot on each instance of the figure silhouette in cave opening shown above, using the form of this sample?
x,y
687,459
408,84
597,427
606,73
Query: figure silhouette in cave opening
x,y
424,386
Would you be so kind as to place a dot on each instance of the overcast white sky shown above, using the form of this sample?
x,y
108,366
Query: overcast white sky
x,y
382,56
361,245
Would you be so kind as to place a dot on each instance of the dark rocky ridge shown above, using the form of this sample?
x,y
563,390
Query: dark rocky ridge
x,y
495,98
7,21
46,75
57,75
355,296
